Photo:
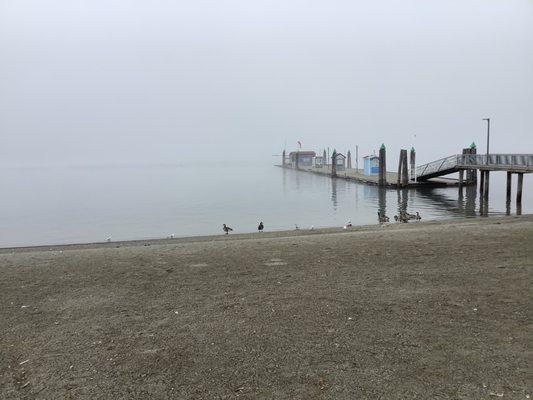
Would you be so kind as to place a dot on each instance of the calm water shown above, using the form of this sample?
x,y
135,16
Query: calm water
x,y
72,205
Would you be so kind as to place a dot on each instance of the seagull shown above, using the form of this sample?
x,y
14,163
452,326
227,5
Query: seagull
x,y
108,240
226,228
312,227
171,236
348,225
260,227
418,217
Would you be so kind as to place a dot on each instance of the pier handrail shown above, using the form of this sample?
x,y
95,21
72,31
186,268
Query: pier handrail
x,y
444,166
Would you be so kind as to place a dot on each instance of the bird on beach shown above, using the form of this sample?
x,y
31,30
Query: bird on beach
x,y
108,240
226,228
382,218
296,227
348,225
261,227
418,217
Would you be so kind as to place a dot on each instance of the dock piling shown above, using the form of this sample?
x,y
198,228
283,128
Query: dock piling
x,y
382,181
412,159
520,183
405,177
334,163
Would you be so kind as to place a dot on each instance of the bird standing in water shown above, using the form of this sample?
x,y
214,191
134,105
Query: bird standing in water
x,y
260,227
226,228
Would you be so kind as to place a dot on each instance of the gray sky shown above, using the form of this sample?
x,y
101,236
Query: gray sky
x,y
108,81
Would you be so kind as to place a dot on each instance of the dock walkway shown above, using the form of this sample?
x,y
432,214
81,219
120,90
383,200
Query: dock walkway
x,y
358,176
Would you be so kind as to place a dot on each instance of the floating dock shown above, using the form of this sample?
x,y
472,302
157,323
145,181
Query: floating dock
x,y
358,175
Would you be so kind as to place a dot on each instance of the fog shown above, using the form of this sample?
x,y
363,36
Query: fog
x,y
136,82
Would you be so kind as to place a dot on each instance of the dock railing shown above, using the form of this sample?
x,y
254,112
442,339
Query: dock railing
x,y
444,166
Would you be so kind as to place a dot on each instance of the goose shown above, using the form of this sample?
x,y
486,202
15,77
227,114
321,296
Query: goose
x,y
261,227
382,218
226,228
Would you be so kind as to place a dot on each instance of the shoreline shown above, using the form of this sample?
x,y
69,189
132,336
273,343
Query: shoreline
x,y
436,309
263,235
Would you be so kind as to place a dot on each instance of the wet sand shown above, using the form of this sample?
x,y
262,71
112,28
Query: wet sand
x,y
421,310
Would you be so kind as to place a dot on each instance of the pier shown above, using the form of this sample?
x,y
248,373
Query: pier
x,y
430,174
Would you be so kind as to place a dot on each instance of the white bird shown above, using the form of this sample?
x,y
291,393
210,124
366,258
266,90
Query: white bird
x,y
312,227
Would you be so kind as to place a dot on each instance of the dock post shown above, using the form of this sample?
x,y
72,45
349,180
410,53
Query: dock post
x,y
356,158
405,172
334,163
400,163
486,192
481,189
461,176
509,186
349,160
297,160
382,181
519,185
283,158
412,159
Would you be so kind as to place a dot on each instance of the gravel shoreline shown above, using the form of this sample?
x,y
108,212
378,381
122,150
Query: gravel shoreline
x,y
422,310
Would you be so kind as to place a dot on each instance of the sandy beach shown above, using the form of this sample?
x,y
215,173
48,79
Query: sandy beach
x,y
401,311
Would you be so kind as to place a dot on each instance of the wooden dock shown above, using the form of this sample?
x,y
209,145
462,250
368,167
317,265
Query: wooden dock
x,y
352,174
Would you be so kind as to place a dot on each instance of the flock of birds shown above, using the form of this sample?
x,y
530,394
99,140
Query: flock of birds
x,y
403,217
382,218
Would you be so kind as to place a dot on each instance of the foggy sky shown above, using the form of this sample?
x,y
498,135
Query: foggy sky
x,y
113,81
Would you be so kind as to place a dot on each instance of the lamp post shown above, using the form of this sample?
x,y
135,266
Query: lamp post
x,y
488,138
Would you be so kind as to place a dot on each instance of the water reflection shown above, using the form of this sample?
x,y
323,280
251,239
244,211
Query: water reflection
x,y
361,203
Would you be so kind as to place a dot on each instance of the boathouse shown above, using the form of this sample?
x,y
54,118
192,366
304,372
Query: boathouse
x,y
340,162
371,164
319,162
302,158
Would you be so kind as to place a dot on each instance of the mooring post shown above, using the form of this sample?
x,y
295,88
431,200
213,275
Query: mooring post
x,y
412,159
481,188
486,190
400,163
356,158
461,176
297,159
519,185
509,185
404,168
334,163
382,181
283,158
349,160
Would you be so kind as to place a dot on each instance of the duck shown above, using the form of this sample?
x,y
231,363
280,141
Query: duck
x,y
261,227
382,218
226,228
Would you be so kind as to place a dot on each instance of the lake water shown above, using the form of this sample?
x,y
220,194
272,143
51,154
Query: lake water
x,y
75,205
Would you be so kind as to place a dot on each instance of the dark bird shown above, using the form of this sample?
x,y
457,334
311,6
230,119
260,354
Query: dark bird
x,y
260,227
418,217
226,228
382,218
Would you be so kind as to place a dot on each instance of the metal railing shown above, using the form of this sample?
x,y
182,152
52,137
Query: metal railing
x,y
457,161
